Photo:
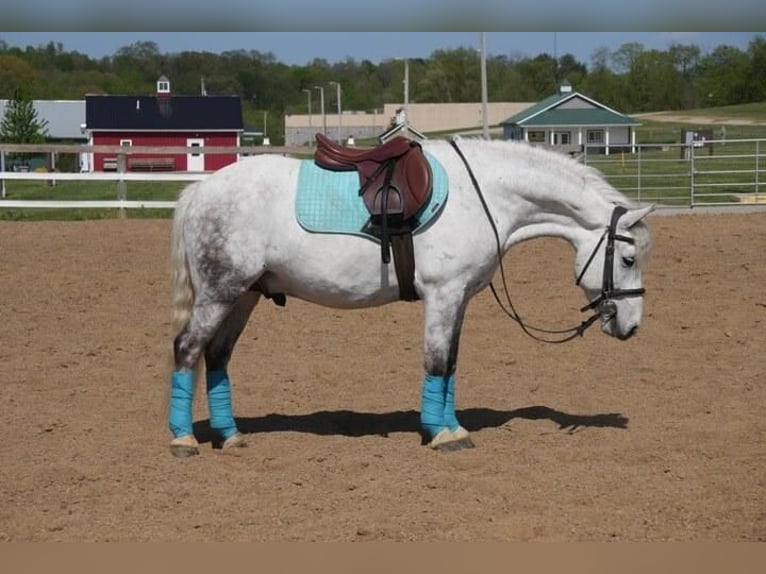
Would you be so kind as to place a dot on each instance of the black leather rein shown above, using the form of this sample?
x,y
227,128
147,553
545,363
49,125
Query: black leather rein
x,y
604,305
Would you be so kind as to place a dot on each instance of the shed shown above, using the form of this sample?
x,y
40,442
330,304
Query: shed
x,y
568,120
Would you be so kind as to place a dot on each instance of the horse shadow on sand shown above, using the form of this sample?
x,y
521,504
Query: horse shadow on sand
x,y
359,424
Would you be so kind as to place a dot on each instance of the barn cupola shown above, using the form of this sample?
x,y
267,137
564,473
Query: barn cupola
x,y
565,87
163,86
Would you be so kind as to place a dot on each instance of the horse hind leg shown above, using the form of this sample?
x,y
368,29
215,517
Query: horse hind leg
x,y
188,346
217,355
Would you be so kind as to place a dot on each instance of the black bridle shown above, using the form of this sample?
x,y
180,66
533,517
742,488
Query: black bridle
x,y
603,305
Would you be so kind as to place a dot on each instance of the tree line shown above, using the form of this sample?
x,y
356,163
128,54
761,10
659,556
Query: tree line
x,y
631,78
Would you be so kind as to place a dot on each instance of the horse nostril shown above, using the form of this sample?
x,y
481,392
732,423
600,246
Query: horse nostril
x,y
632,332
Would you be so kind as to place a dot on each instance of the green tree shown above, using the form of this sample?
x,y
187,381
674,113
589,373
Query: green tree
x,y
21,125
725,78
757,52
15,73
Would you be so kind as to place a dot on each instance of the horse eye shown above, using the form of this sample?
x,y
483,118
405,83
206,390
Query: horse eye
x,y
628,261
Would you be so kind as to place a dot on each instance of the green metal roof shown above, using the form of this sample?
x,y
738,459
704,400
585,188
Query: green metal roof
x,y
592,117
546,113
535,109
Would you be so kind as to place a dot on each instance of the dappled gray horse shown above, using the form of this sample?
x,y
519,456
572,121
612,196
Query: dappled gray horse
x,y
236,238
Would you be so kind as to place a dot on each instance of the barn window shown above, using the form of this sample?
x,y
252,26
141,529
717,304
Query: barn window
x,y
126,143
536,136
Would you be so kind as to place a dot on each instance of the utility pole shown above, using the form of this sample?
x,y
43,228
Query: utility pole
x,y
308,93
406,88
484,118
321,103
337,85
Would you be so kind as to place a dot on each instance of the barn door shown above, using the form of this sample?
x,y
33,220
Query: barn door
x,y
195,161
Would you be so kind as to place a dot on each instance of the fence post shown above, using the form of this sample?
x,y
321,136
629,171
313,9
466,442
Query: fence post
x,y
122,186
2,168
691,175
638,174
757,167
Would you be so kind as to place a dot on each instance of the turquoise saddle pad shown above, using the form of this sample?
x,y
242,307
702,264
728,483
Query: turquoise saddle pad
x,y
329,202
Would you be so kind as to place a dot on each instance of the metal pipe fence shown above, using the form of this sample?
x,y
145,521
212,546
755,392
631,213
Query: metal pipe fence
x,y
709,173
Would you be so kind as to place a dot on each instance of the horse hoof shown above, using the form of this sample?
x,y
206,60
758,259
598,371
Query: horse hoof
x,y
184,447
463,438
236,440
450,441
444,441
451,446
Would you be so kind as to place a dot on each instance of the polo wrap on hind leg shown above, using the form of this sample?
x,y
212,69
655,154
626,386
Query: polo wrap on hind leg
x,y
181,398
219,404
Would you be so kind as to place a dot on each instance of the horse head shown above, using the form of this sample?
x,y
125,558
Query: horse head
x,y
610,272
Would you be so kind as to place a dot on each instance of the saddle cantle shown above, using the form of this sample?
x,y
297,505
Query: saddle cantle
x,y
395,182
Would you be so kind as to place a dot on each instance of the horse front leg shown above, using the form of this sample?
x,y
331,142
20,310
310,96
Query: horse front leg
x,y
444,314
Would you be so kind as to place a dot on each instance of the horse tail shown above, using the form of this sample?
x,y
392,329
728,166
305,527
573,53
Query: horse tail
x,y
183,292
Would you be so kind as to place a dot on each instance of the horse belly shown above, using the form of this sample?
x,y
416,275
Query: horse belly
x,y
334,271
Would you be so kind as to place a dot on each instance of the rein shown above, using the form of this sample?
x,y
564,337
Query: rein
x,y
603,305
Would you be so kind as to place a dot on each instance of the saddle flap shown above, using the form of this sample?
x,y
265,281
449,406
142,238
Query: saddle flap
x,y
409,189
415,171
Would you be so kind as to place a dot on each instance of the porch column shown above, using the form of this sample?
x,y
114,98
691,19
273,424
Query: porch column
x,y
606,141
632,140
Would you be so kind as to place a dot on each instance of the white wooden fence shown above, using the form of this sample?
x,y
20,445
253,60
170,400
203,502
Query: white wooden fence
x,y
121,176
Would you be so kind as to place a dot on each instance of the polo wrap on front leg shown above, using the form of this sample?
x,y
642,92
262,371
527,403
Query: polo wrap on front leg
x,y
450,418
219,404
432,404
181,398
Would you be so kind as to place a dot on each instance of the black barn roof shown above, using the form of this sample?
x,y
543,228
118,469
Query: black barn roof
x,y
163,113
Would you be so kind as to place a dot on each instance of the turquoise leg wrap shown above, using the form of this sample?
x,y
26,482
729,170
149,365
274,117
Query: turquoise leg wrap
x,y
432,404
219,404
450,418
181,397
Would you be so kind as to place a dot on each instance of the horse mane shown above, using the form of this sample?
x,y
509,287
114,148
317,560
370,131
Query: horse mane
x,y
592,179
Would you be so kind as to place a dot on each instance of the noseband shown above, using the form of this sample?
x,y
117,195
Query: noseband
x,y
604,304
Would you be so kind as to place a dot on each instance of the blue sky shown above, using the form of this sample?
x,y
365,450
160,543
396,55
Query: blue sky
x,y
298,48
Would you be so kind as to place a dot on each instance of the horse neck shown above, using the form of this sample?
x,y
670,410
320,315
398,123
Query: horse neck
x,y
541,195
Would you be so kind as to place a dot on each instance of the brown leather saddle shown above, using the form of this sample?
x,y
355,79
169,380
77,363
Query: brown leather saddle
x,y
395,182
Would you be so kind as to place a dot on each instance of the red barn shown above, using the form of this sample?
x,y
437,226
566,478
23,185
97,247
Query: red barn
x,y
164,119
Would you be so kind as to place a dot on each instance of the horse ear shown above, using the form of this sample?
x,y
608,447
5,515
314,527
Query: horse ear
x,y
635,215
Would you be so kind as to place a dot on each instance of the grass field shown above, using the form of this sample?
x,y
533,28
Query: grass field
x,y
87,190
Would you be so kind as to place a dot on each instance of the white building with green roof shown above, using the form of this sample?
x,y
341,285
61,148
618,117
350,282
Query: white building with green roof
x,y
569,120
